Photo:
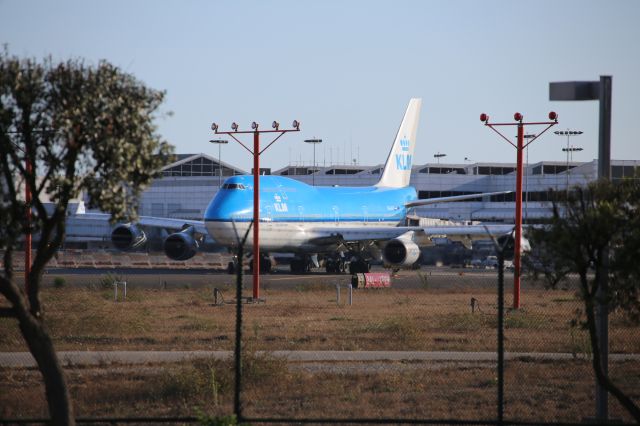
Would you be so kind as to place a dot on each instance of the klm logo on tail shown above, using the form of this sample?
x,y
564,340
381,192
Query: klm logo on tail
x,y
397,169
403,159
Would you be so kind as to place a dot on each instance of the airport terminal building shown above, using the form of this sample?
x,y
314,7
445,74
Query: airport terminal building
x,y
192,180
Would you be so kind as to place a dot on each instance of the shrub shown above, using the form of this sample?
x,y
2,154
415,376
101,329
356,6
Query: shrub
x,y
58,282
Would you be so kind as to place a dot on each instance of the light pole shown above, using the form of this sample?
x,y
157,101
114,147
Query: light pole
x,y
255,153
568,133
438,156
570,150
314,142
220,142
601,91
519,146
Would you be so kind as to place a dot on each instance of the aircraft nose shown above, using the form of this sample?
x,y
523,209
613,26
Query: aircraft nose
x,y
228,207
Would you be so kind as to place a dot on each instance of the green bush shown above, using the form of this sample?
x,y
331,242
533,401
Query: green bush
x,y
106,282
59,282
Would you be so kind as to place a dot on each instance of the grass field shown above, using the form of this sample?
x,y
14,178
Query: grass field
x,y
306,317
559,391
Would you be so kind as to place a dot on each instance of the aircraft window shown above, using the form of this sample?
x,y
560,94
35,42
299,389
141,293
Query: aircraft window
x,y
233,186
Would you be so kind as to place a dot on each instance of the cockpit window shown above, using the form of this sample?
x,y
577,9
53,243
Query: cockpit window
x,y
233,186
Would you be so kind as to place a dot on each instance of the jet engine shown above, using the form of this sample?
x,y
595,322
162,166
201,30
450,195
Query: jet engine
x,y
400,253
127,236
181,245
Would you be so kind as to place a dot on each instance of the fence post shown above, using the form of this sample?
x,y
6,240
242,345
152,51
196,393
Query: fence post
x,y
500,336
237,404
115,290
350,295
337,294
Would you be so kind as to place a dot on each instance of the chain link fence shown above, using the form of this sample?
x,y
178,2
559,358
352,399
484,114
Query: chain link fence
x,y
423,350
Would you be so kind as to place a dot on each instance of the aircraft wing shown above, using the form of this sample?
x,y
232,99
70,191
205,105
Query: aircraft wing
x,y
152,222
437,200
462,233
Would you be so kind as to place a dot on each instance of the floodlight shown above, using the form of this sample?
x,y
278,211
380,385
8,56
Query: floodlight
x,y
484,117
517,116
254,125
553,116
234,126
214,127
275,125
296,124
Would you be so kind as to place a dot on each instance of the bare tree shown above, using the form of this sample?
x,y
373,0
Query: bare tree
x,y
85,129
594,231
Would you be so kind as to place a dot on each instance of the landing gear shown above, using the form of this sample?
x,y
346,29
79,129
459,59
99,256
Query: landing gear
x,y
265,264
335,266
301,265
359,266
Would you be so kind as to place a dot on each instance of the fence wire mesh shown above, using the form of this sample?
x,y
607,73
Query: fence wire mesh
x,y
424,349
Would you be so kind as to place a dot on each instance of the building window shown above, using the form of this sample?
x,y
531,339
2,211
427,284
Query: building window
x,y
157,209
172,208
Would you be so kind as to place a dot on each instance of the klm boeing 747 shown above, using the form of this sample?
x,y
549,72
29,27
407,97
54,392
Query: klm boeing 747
x,y
341,227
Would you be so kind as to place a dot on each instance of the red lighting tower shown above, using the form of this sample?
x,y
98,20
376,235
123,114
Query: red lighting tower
x,y
256,183
519,149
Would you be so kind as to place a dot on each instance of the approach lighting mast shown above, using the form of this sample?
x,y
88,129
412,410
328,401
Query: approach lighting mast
x,y
519,149
256,182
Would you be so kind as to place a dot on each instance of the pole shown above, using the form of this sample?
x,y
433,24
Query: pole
x,y
27,238
237,353
256,215
567,171
256,184
602,311
219,167
519,146
526,191
518,236
500,335
313,176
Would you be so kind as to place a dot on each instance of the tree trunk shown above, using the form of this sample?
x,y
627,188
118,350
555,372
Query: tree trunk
x,y
41,347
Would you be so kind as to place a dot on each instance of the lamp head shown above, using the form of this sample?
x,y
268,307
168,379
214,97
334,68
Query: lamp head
x,y
254,125
234,126
517,116
214,127
296,124
484,117
553,116
275,125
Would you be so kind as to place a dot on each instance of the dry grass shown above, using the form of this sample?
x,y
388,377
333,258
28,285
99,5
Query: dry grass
x,y
559,391
307,318
294,319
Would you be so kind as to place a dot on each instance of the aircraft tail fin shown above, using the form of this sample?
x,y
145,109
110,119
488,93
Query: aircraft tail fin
x,y
397,169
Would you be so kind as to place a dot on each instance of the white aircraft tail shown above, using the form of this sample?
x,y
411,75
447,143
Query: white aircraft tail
x,y
397,169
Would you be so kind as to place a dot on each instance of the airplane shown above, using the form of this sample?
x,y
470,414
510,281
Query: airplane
x,y
344,227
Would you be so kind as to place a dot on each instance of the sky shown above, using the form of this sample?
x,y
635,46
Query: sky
x,y
347,69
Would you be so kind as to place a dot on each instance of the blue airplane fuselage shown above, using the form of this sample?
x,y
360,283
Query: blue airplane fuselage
x,y
290,210
287,200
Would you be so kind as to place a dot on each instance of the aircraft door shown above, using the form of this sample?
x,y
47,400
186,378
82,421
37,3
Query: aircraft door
x,y
301,213
336,214
365,214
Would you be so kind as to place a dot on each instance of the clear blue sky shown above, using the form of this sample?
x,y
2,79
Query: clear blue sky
x,y
346,69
